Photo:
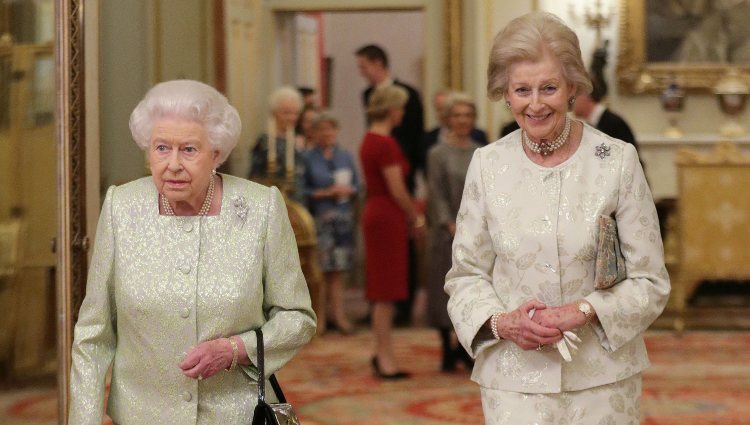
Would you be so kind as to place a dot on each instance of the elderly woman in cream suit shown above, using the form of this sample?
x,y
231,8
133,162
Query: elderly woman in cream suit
x,y
187,263
525,246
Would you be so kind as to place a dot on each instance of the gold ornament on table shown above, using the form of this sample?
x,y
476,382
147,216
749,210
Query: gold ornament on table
x,y
731,92
673,101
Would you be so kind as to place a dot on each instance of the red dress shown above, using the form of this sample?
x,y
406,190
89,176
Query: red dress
x,y
385,229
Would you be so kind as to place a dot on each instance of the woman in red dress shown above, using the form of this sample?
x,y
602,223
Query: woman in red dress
x,y
388,216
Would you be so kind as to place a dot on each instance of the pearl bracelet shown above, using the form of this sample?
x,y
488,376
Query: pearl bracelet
x,y
235,354
493,325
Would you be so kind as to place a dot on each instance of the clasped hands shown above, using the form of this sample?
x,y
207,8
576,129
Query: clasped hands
x,y
207,359
533,325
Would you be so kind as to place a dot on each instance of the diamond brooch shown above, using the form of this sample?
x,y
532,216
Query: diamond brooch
x,y
602,151
240,207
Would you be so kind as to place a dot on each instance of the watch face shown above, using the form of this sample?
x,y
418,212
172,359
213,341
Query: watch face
x,y
585,308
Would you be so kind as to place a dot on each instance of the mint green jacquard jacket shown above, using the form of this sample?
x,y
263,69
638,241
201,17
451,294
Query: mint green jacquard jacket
x,y
159,285
529,232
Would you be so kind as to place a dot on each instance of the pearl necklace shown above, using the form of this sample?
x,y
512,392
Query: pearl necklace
x,y
546,148
206,202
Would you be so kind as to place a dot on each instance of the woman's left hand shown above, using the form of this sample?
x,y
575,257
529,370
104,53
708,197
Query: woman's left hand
x,y
565,318
207,359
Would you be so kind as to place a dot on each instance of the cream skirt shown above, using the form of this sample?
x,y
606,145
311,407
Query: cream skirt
x,y
618,403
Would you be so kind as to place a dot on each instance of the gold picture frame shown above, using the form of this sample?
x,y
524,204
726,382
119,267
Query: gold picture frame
x,y
636,74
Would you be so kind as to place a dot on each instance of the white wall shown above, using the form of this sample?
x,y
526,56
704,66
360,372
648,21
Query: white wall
x,y
400,33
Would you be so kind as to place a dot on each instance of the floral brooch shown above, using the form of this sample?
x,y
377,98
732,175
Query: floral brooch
x,y
240,207
602,151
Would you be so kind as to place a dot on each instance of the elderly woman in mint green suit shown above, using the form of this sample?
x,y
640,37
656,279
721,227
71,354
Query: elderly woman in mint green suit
x,y
187,263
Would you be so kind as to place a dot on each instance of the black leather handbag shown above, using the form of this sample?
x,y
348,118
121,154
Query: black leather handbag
x,y
265,413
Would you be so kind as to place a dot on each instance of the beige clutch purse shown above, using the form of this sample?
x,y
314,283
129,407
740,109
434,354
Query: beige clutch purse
x,y
610,263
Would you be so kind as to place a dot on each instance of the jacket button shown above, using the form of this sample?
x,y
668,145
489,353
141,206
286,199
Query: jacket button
x,y
185,313
185,268
188,227
187,396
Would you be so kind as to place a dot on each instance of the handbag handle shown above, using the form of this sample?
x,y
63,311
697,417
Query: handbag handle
x,y
262,373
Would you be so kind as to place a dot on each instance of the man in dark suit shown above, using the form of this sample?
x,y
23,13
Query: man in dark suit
x,y
431,137
589,108
373,65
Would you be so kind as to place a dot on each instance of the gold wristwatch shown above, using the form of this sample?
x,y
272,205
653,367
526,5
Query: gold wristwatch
x,y
585,308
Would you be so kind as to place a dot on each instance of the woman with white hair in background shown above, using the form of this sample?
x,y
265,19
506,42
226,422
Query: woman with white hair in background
x,y
278,144
187,264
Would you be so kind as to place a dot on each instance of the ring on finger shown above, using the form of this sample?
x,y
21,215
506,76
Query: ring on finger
x,y
200,377
539,347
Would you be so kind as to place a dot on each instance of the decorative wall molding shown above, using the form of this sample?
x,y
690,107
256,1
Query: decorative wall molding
x,y
72,241
636,75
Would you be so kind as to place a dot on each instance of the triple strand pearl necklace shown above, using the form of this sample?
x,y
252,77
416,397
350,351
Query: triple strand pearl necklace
x,y
546,148
206,202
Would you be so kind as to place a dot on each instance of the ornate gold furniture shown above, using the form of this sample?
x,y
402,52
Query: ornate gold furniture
x,y
10,232
303,226
713,227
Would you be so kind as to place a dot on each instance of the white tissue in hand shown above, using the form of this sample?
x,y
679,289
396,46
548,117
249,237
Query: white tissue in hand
x,y
569,339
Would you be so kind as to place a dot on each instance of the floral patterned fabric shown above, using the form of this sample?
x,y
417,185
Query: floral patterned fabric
x,y
529,232
618,403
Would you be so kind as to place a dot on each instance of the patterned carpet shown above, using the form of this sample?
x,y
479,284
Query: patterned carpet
x,y
700,379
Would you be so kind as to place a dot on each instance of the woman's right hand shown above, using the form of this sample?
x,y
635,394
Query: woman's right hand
x,y
516,326
418,228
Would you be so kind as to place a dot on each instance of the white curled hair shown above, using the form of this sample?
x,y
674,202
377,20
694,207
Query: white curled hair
x,y
284,93
193,101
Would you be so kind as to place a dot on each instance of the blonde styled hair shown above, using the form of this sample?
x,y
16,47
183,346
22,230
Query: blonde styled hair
x,y
528,38
457,98
193,101
384,99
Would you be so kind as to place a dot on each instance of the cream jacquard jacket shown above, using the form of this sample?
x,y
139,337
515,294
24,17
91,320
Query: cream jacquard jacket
x,y
159,285
528,232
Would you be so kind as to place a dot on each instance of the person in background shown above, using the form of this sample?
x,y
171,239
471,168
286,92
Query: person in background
x,y
389,216
431,137
374,66
549,347
509,128
447,163
285,106
187,264
331,186
309,97
304,130
589,108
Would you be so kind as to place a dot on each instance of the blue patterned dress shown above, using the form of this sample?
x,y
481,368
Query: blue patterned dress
x,y
334,219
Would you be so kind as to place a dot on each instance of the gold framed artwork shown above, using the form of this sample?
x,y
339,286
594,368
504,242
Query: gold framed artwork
x,y
691,42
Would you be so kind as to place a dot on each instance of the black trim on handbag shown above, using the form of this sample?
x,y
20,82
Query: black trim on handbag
x,y
265,413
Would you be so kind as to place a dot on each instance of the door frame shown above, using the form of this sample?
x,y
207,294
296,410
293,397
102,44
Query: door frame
x,y
71,244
